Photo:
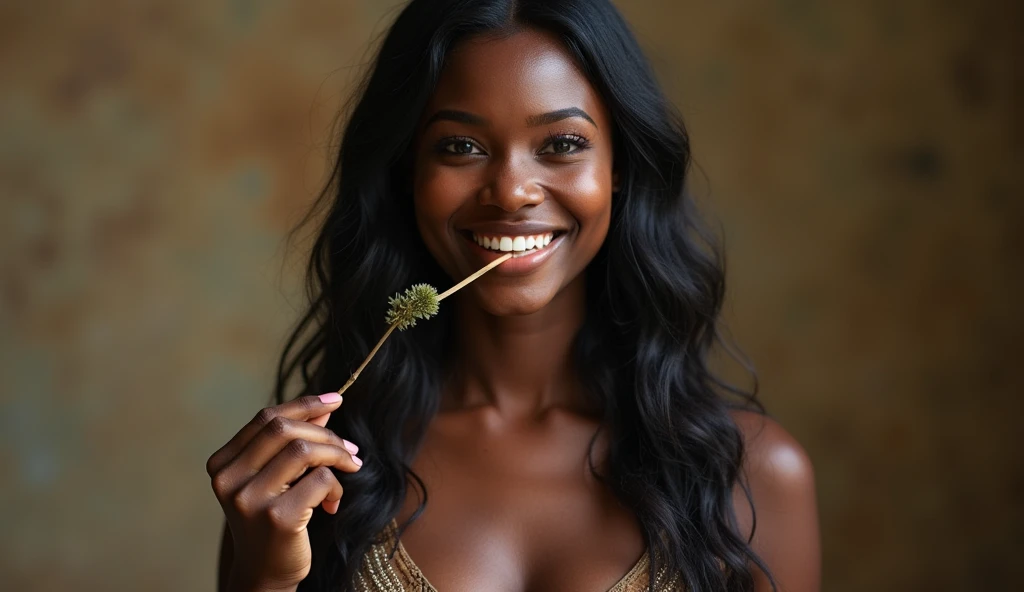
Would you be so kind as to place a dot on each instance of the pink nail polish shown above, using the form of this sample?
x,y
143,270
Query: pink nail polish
x,y
356,460
350,446
328,398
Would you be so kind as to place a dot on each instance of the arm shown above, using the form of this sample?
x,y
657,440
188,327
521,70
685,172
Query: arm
x,y
224,563
781,479
227,557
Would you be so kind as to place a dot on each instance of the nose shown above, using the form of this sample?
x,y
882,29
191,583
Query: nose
x,y
511,185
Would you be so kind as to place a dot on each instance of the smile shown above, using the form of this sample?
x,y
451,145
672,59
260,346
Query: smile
x,y
518,245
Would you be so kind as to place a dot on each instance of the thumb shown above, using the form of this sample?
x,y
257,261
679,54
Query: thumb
x,y
321,420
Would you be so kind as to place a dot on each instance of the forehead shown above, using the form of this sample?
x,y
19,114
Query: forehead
x,y
527,72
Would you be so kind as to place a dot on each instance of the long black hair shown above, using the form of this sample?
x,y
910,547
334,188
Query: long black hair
x,y
654,294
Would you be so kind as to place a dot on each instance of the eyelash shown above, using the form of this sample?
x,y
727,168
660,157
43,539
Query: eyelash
x,y
443,143
581,143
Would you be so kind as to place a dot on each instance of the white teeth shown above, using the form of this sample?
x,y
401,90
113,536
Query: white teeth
x,y
516,244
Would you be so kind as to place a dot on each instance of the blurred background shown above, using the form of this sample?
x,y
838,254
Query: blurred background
x,y
863,159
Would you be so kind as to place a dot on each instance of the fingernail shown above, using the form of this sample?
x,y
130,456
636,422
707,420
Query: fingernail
x,y
328,398
350,446
356,460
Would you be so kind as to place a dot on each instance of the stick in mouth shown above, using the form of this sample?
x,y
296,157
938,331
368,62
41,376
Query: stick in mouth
x,y
418,302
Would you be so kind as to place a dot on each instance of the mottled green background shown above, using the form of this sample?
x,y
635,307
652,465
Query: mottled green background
x,y
864,159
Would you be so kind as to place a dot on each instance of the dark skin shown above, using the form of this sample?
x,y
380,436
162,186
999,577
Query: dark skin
x,y
514,135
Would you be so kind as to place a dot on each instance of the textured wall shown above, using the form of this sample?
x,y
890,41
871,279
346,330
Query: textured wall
x,y
863,159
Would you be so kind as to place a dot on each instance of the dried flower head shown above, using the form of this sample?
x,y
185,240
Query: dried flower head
x,y
418,302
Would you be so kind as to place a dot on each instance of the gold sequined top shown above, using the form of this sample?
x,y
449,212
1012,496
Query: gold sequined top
x,y
400,574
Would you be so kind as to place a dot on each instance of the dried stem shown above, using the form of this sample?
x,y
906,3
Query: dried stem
x,y
373,352
479,273
394,325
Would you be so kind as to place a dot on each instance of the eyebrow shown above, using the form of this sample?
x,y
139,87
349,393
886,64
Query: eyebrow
x,y
559,115
456,116
532,121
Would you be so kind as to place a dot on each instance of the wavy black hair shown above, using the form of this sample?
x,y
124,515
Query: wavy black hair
x,y
654,293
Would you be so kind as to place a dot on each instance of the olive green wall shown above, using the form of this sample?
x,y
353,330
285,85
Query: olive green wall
x,y
863,157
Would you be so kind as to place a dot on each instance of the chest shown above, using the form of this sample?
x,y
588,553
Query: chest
x,y
517,511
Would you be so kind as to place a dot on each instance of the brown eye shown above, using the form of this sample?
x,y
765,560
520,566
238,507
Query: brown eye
x,y
565,144
459,146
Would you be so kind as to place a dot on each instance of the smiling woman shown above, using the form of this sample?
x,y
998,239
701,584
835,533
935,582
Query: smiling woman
x,y
517,144
559,416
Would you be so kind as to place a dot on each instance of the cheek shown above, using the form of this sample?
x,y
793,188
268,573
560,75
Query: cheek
x,y
589,200
435,197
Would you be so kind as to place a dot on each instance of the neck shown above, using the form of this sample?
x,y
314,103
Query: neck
x,y
520,365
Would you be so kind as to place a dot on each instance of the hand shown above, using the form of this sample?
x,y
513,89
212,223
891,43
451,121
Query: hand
x,y
260,480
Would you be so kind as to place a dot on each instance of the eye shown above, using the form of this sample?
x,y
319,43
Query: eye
x,y
458,146
565,144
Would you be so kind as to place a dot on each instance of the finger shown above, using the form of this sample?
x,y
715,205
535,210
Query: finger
x,y
301,409
290,464
320,486
321,421
330,507
268,444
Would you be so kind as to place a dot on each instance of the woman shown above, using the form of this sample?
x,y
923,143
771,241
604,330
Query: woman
x,y
559,415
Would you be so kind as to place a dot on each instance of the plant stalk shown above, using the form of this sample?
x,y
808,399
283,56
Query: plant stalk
x,y
391,329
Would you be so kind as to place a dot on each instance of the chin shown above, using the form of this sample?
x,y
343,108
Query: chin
x,y
510,302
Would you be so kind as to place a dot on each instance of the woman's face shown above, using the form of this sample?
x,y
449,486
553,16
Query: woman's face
x,y
514,153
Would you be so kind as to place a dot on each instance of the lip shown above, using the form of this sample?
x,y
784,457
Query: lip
x,y
513,228
521,265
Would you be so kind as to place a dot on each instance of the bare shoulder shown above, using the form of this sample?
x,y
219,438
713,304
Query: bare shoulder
x,y
775,461
782,513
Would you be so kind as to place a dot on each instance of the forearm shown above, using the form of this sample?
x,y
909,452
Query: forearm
x,y
241,585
